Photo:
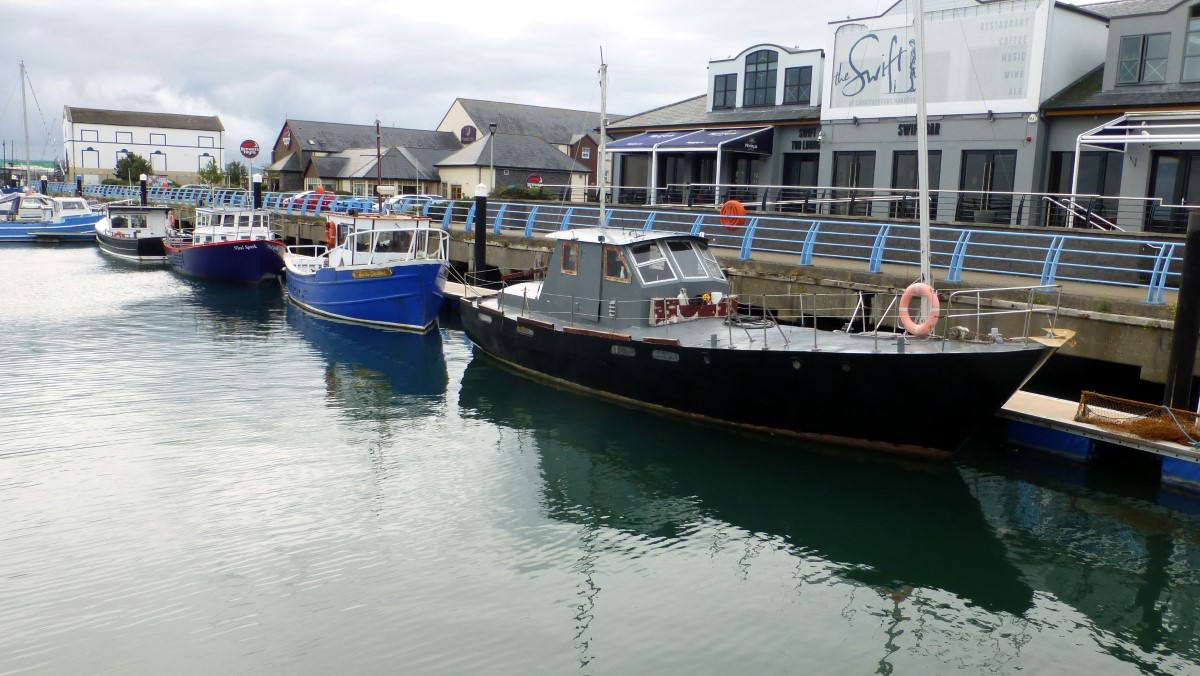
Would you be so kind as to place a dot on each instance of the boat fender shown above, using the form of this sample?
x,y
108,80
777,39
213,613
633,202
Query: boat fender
x,y
733,214
330,234
925,327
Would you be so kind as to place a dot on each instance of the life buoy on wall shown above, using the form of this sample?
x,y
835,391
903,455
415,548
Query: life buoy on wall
x,y
927,292
733,214
330,234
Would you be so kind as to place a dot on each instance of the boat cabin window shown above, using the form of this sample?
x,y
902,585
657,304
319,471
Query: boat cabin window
x,y
137,221
120,222
651,262
615,268
394,242
570,258
362,242
694,259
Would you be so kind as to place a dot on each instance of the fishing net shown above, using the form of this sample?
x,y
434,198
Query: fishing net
x,y
1148,421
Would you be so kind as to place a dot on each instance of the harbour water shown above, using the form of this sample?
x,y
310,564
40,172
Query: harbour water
x,y
200,479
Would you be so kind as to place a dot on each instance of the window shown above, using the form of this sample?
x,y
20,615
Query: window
x,y
89,135
158,162
203,160
1143,58
158,139
725,91
651,262
124,137
121,154
615,269
586,153
797,85
1191,47
570,258
205,142
89,158
694,262
760,78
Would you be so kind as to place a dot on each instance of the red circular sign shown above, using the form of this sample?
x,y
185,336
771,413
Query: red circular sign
x,y
249,149
534,179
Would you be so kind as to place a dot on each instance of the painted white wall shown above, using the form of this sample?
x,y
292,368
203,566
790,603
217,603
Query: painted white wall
x,y
737,66
177,151
1076,45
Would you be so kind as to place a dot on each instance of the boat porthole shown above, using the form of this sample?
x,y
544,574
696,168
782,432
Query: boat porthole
x,y
846,366
705,358
795,364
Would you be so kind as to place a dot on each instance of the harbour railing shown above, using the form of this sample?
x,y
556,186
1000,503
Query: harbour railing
x,y
1146,261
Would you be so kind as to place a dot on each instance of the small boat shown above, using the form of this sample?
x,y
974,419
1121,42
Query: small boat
x,y
33,217
227,244
135,232
387,271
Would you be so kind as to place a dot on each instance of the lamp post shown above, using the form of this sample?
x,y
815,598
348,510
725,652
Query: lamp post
x,y
492,153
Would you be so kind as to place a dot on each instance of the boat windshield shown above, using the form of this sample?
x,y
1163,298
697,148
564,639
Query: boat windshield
x,y
694,259
651,262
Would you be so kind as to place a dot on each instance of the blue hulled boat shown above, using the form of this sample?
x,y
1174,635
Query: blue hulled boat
x,y
32,217
385,271
227,244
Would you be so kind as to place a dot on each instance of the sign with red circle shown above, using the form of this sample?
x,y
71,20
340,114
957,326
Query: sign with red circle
x,y
249,149
534,180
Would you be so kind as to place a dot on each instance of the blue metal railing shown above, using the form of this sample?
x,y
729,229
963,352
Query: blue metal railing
x,y
1152,263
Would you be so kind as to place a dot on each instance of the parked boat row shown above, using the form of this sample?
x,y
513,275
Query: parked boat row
x,y
27,216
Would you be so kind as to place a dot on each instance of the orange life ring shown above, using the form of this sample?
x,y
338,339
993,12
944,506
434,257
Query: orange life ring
x,y
330,234
733,214
927,292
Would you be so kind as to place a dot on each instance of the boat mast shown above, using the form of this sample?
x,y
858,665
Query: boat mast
x,y
922,143
378,169
603,134
25,119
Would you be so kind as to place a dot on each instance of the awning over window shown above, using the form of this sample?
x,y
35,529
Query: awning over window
x,y
756,140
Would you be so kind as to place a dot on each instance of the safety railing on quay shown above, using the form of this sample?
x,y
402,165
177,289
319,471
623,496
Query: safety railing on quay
x,y
1106,258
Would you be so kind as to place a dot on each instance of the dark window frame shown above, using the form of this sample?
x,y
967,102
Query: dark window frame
x,y
572,269
1191,43
797,85
762,69
1132,69
725,91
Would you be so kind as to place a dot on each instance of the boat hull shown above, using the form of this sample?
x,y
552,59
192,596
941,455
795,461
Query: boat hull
x,y
71,228
241,261
880,400
406,296
141,250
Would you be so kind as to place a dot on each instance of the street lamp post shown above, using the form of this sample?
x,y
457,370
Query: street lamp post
x,y
492,153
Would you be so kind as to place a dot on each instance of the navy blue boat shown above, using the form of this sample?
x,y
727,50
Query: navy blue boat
x,y
227,244
387,271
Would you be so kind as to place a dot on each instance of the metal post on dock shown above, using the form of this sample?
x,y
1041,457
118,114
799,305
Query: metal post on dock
x,y
479,257
78,185
1186,334
142,189
257,182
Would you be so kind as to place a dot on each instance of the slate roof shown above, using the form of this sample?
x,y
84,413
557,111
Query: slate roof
x,y
334,137
553,125
1122,8
691,112
1085,93
126,118
513,151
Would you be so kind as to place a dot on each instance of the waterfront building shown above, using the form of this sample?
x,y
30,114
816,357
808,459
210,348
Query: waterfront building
x,y
574,133
342,158
1146,92
177,146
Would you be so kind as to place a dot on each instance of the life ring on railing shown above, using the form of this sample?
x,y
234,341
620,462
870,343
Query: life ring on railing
x,y
171,220
733,214
330,234
927,292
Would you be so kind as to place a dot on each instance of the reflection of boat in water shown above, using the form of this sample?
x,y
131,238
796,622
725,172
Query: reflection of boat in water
x,y
880,524
235,310
376,373
1127,565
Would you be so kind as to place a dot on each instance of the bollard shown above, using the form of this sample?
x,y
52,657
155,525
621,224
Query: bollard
x,y
479,259
78,186
142,191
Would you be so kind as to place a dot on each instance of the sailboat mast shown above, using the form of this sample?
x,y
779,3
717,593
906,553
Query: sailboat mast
x,y
922,140
25,119
603,135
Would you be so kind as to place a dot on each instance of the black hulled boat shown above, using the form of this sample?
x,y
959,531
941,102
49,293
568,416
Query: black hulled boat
x,y
135,232
648,318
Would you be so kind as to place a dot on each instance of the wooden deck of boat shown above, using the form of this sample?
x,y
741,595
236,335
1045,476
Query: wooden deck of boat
x,y
1059,414
456,290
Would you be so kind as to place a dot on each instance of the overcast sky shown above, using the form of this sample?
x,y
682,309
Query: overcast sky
x,y
255,63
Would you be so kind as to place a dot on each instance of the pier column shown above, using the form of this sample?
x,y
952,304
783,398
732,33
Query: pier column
x,y
1178,390
479,256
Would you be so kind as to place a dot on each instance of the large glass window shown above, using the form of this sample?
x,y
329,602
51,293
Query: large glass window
x,y
1191,48
651,262
761,68
615,268
797,85
725,91
1143,59
570,258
